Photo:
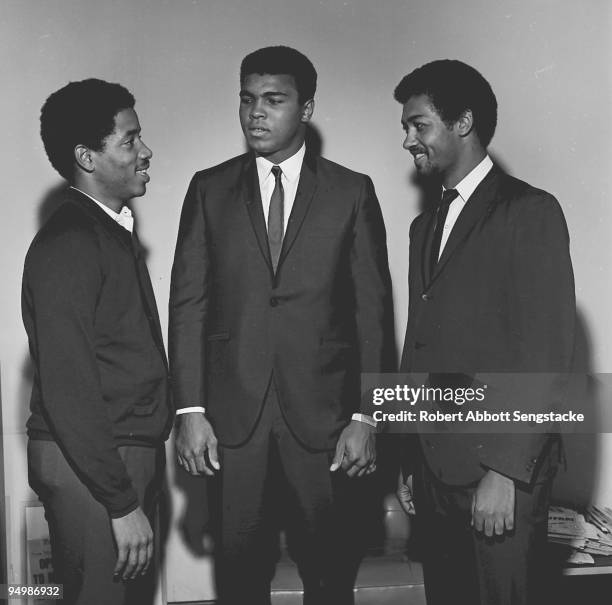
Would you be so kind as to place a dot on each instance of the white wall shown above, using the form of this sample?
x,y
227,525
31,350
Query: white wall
x,y
548,62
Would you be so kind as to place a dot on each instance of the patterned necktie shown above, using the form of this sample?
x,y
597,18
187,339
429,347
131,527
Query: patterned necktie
x,y
275,217
447,197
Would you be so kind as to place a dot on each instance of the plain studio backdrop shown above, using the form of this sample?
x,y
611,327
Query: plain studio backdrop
x,y
548,62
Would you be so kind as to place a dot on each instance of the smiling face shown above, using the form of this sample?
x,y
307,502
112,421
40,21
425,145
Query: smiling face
x,y
120,167
436,146
272,118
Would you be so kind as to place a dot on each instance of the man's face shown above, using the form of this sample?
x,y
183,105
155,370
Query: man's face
x,y
434,145
272,119
120,168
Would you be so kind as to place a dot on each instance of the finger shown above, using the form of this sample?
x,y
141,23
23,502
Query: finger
x,y
499,527
131,563
489,526
121,559
213,455
191,466
182,463
509,522
353,465
142,560
150,553
201,466
362,472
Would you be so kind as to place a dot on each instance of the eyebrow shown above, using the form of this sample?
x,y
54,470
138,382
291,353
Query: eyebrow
x,y
131,133
272,93
413,117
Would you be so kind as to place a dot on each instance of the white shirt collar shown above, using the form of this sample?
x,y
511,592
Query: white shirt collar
x,y
124,218
291,167
467,185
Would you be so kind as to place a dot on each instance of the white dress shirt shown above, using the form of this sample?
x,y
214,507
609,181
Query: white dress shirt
x,y
464,188
290,178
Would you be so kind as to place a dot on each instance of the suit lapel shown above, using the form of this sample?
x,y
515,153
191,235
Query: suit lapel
x,y
303,198
477,205
425,247
251,197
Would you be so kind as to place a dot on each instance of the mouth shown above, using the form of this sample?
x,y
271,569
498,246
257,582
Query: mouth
x,y
419,157
144,174
258,131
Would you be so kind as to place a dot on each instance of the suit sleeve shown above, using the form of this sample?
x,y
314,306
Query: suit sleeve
x,y
189,297
543,316
62,282
372,286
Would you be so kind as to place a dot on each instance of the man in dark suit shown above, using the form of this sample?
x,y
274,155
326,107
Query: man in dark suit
x,y
99,404
491,290
280,297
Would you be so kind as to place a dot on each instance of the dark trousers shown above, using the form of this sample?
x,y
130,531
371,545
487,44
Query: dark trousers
x,y
463,566
273,480
82,542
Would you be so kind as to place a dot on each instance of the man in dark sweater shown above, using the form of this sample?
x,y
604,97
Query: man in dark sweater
x,y
99,402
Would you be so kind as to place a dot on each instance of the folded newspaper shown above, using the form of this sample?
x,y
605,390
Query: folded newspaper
x,y
589,534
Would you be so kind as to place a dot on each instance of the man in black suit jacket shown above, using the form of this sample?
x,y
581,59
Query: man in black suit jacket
x,y
99,405
268,339
491,290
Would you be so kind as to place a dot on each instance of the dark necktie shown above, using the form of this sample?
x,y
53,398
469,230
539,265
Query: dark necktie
x,y
275,217
447,197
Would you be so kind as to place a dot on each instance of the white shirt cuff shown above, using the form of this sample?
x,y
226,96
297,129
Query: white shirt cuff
x,y
195,408
364,418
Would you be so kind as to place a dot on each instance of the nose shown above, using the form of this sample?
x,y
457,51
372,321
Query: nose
x,y
257,110
145,152
409,140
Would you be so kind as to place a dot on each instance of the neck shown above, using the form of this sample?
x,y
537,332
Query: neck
x,y
99,195
467,162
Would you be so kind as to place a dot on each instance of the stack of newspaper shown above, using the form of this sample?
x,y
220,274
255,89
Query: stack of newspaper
x,y
589,534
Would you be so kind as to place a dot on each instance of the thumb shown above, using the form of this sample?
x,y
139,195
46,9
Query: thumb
x,y
337,461
473,508
214,456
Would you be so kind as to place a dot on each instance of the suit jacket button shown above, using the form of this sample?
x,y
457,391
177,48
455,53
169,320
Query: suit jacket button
x,y
426,297
274,302
419,345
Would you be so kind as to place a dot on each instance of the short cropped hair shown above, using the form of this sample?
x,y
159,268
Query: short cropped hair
x,y
80,113
276,60
453,87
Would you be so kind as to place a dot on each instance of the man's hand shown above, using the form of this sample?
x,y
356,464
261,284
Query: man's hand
x,y
134,539
355,450
194,438
404,494
493,504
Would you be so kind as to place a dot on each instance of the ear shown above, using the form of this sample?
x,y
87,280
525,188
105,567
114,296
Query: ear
x,y
465,123
83,157
307,110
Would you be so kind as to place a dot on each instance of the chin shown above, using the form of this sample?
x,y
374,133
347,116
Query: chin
x,y
260,147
